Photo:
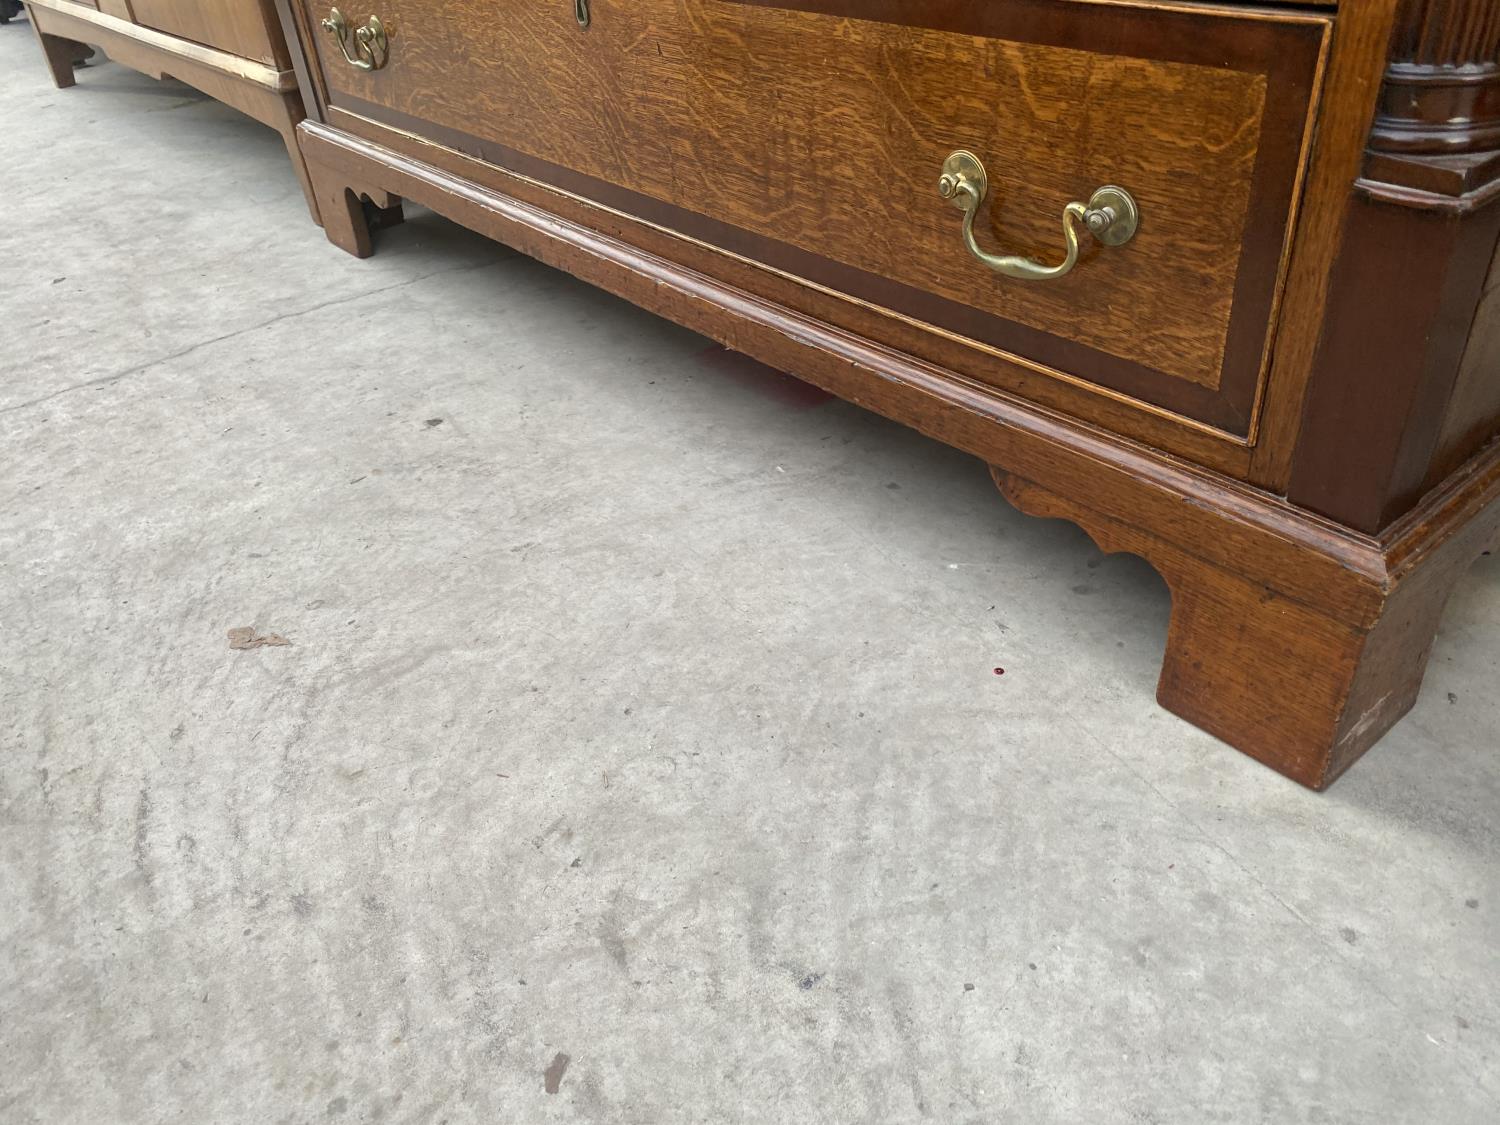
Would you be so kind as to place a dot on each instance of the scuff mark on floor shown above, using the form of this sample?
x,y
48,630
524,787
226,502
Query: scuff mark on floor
x,y
142,822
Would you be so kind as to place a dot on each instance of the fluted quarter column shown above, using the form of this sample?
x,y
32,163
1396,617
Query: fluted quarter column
x,y
1442,87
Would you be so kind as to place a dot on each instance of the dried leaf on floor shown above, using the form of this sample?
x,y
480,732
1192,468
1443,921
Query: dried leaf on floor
x,y
246,637
552,1076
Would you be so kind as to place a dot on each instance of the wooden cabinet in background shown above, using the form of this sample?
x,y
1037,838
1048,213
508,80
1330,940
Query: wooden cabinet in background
x,y
232,50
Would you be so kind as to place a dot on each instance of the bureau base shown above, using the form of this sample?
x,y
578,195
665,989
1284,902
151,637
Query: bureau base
x,y
257,90
1293,639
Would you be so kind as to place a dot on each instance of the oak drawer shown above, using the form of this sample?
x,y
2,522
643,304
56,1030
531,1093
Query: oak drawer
x,y
247,28
809,135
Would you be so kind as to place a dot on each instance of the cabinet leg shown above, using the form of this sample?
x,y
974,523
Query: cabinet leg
x,y
1298,690
383,210
1305,685
61,54
349,212
339,207
294,151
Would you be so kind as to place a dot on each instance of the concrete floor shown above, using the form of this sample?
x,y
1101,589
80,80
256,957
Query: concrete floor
x,y
640,707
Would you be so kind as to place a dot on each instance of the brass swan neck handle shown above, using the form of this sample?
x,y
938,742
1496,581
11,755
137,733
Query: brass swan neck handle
x,y
1110,215
371,46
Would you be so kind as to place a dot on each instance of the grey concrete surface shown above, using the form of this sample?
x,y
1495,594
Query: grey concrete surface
x,y
640,707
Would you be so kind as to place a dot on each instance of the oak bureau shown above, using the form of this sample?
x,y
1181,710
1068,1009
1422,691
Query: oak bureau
x,y
1217,281
232,50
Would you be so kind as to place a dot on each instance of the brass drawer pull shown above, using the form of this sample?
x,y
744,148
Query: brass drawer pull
x,y
581,12
1110,215
371,47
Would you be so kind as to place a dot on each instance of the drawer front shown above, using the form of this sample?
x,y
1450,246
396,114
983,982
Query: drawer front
x,y
809,135
247,28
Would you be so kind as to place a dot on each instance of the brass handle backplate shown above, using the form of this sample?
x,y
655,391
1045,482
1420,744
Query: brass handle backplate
x,y
1110,215
371,47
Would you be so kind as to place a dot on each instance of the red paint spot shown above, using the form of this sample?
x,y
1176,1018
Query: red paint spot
x,y
999,671
767,380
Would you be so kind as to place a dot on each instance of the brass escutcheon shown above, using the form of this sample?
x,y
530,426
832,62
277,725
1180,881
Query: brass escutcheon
x,y
371,46
1110,215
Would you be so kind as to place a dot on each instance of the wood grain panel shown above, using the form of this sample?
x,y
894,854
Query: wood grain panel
x,y
248,28
1474,413
1356,58
812,141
